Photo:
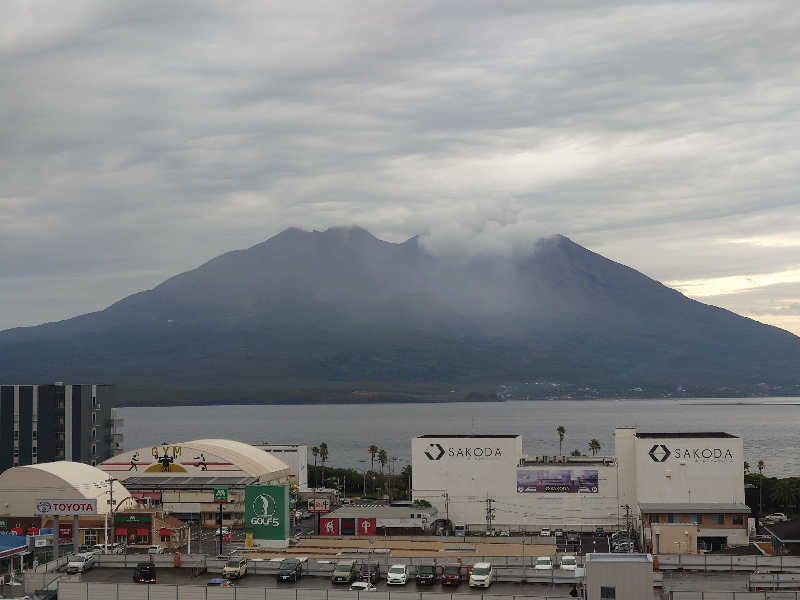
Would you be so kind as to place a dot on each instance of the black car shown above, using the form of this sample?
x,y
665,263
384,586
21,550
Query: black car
x,y
145,572
600,532
572,536
426,575
291,569
369,572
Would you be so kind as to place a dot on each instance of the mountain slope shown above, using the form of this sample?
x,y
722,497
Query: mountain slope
x,y
341,305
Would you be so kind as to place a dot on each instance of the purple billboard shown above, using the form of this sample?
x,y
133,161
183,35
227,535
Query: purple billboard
x,y
557,481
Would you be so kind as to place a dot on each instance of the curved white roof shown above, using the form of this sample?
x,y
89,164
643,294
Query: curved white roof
x,y
62,479
253,461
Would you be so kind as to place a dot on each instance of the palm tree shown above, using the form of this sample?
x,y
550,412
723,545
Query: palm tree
x,y
575,452
373,450
315,452
746,467
761,466
594,446
562,431
323,456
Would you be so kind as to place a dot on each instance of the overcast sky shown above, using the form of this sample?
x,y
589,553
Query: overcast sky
x,y
139,139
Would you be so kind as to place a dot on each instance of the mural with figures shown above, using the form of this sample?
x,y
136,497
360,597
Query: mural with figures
x,y
167,460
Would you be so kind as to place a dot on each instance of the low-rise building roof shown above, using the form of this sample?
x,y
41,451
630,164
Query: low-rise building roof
x,y
693,507
380,512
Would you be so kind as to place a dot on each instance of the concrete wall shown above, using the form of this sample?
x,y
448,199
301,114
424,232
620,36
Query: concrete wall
x,y
680,538
633,580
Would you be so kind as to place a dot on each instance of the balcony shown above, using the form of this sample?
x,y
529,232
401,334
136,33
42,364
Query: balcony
x,y
116,423
116,438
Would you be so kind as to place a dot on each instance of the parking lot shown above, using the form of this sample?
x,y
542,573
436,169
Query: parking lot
x,y
309,582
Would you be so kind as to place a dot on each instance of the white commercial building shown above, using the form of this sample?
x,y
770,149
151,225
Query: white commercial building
x,y
296,458
654,478
692,478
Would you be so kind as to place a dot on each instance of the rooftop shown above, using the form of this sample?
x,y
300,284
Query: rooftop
x,y
187,483
618,558
471,435
788,531
380,512
693,507
687,435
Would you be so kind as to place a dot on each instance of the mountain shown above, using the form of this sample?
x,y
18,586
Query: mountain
x,y
317,309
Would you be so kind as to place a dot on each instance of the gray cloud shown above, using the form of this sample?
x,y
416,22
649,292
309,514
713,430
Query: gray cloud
x,y
141,138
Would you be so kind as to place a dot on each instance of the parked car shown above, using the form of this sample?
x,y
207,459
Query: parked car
x,y
426,575
115,548
397,575
481,575
559,532
344,571
223,531
624,547
600,532
569,562
145,572
572,536
291,569
156,549
545,532
214,581
369,572
775,518
235,568
451,574
362,586
80,563
460,530
543,563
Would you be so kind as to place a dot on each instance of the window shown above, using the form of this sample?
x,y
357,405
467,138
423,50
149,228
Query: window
x,y
672,518
719,519
738,519
33,434
608,592
165,538
90,537
142,539
698,518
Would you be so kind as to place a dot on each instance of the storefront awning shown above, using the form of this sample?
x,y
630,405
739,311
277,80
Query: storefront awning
x,y
165,531
120,531
142,532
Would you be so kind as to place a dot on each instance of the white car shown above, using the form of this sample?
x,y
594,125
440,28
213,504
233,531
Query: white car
x,y
543,563
223,531
156,550
545,532
362,586
569,562
397,575
775,518
481,575
80,563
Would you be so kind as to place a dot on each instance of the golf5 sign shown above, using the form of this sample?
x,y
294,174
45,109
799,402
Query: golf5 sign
x,y
266,511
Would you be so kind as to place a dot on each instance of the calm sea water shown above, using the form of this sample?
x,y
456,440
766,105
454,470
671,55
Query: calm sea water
x,y
769,426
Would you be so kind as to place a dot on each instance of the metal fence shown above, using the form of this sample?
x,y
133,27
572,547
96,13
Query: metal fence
x,y
686,595
727,562
132,591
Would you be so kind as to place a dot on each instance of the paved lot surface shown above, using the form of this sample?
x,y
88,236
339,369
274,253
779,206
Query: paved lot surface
x,y
184,577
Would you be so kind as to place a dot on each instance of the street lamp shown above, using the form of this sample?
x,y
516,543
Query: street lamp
x,y
364,491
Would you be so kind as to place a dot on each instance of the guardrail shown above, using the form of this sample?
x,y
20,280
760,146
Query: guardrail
x,y
774,581
132,591
691,595
727,562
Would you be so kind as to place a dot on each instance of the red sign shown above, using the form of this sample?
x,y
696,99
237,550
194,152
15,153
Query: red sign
x,y
366,526
121,531
328,526
144,532
65,531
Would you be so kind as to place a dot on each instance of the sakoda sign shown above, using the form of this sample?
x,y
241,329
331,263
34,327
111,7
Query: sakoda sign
x,y
661,453
437,452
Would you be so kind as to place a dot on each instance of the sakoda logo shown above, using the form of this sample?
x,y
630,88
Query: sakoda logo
x,y
437,451
660,453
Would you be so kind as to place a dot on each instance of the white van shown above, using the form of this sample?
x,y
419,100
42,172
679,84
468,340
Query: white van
x,y
460,530
481,575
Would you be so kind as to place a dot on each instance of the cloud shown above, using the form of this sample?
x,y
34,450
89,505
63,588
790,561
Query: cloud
x,y
142,138
720,286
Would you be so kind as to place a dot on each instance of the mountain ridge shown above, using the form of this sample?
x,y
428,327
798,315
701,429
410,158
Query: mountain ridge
x,y
342,305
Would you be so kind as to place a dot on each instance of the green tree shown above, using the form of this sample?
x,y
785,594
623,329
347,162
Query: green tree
x,y
575,452
383,458
594,446
784,494
746,467
562,432
373,450
323,456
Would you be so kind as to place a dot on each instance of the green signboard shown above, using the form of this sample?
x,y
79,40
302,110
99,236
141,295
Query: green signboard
x,y
3,523
123,519
220,495
267,511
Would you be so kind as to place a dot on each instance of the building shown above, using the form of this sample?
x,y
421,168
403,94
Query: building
x,y
367,520
654,478
785,537
618,576
296,458
465,475
78,426
179,478
687,478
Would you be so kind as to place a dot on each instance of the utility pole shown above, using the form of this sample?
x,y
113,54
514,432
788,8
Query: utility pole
x,y
110,508
489,513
